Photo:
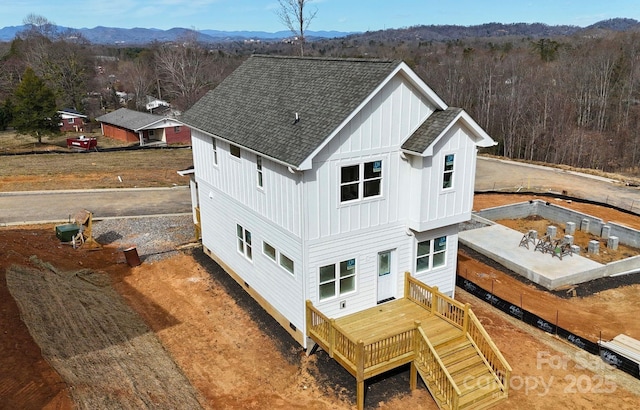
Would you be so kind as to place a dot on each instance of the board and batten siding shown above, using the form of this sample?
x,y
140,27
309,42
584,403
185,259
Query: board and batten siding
x,y
374,133
279,200
220,214
431,205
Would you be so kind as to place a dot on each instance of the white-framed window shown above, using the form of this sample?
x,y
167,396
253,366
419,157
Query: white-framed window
x,y
431,254
337,279
244,242
176,129
286,263
71,120
447,175
361,181
270,251
152,133
281,259
234,150
259,171
214,148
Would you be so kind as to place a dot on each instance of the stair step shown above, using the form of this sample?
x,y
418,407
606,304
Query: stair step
x,y
472,372
483,393
462,365
453,346
458,356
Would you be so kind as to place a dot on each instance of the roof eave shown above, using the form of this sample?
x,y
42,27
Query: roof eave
x,y
291,167
482,138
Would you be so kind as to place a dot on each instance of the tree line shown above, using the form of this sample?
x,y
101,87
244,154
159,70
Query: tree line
x,y
567,100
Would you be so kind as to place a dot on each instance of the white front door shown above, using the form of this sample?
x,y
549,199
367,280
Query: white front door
x,y
386,276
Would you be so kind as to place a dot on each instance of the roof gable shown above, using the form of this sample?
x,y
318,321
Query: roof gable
x,y
433,128
130,119
256,106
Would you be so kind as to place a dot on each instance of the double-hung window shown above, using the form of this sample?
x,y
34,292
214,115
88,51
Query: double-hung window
x,y
360,181
447,175
259,171
431,254
215,151
244,242
337,279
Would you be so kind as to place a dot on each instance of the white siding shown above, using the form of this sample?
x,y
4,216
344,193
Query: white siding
x,y
364,247
376,133
284,291
279,200
431,205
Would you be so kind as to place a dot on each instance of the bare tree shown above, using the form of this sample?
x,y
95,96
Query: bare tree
x,y
294,14
185,71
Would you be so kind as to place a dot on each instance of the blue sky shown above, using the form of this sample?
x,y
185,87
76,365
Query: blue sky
x,y
341,15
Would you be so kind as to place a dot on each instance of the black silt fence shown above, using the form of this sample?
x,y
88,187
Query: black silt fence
x,y
612,358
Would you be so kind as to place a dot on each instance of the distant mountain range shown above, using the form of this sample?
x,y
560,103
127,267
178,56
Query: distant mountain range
x,y
137,36
141,36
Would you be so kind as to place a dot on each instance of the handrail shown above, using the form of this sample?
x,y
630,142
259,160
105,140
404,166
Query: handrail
x,y
441,368
498,363
437,302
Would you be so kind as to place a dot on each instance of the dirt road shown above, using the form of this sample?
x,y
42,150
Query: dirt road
x,y
508,176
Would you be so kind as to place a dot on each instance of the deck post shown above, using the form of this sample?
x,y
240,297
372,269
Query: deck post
x,y
465,319
434,300
308,316
360,375
413,372
332,337
407,286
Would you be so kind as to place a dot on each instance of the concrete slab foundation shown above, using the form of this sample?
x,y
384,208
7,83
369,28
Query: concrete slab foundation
x,y
540,268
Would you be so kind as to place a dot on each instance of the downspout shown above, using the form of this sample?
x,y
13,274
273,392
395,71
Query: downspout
x,y
305,251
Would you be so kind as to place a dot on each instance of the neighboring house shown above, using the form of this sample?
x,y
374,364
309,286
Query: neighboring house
x,y
154,104
71,120
144,128
326,179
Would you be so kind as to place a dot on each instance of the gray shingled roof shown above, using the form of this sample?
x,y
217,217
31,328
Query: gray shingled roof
x,y
129,119
255,106
427,133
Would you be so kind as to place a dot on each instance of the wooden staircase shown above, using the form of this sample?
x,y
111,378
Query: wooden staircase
x,y
441,338
456,373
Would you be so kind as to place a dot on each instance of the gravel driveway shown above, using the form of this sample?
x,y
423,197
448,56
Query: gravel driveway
x,y
154,237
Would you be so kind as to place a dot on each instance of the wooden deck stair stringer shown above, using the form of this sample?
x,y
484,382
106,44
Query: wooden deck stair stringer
x,y
478,386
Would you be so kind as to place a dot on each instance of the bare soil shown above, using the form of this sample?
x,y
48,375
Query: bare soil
x,y
235,356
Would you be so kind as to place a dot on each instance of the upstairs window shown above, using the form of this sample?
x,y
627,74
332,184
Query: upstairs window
x,y
259,170
234,150
447,176
360,181
215,151
244,242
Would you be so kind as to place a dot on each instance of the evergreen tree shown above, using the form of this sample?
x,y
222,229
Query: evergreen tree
x,y
34,107
6,112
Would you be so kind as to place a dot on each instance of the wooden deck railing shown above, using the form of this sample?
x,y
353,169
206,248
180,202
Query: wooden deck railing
x,y
481,339
438,303
411,345
428,363
356,356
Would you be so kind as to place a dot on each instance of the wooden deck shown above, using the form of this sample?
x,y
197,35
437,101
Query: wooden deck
x,y
441,338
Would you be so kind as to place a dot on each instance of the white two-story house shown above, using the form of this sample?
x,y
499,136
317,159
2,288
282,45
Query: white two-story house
x,y
326,179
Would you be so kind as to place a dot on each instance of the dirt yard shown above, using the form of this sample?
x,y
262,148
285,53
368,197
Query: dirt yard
x,y
235,356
